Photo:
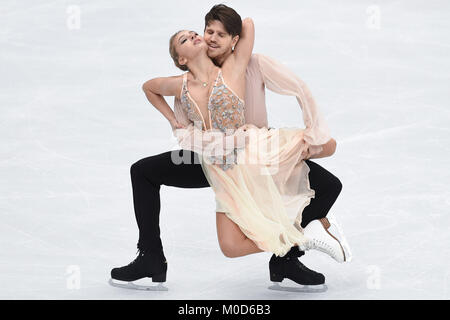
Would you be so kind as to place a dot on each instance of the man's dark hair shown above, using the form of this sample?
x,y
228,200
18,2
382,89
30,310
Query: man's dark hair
x,y
230,19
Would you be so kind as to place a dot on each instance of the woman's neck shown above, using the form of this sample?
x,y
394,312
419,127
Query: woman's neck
x,y
201,67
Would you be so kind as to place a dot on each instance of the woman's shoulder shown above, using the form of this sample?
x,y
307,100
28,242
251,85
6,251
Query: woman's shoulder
x,y
176,83
178,78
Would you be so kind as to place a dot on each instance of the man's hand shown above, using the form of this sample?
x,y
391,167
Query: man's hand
x,y
248,126
328,150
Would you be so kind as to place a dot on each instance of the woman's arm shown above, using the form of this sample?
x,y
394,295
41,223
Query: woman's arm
x,y
189,137
156,89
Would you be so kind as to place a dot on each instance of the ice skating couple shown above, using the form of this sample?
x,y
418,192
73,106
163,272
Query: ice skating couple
x,y
277,203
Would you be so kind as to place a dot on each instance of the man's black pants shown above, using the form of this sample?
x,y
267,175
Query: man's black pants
x,y
148,174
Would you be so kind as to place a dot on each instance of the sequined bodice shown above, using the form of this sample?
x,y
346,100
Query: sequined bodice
x,y
225,112
225,108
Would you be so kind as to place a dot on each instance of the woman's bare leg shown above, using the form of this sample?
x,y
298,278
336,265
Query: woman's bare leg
x,y
232,240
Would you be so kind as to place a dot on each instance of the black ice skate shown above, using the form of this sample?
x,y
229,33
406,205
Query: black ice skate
x,y
289,267
144,266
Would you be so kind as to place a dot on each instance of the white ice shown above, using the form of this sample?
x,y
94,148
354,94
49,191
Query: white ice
x,y
74,119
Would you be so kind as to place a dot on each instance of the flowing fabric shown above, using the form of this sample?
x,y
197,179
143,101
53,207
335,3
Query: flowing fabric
x,y
258,174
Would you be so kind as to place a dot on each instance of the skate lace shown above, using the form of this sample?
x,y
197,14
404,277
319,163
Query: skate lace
x,y
302,266
139,255
321,246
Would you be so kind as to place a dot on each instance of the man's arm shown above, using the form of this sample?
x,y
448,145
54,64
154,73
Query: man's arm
x,y
328,149
244,47
279,79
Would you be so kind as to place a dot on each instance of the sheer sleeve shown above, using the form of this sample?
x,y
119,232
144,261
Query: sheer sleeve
x,y
278,78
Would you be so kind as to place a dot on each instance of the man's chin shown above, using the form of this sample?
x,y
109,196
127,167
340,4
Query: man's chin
x,y
212,53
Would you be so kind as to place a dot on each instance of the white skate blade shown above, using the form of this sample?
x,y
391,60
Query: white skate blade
x,y
130,285
299,288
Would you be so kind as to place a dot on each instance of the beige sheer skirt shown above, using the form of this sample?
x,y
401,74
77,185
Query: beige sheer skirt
x,y
266,188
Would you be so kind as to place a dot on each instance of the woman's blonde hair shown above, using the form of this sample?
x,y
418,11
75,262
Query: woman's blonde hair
x,y
174,53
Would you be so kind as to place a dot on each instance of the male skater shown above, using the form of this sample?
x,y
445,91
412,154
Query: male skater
x,y
223,27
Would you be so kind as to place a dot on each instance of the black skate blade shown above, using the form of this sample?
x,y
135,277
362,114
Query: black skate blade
x,y
299,288
134,286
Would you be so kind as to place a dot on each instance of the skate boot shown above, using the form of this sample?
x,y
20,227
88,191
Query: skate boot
x,y
144,266
289,267
320,238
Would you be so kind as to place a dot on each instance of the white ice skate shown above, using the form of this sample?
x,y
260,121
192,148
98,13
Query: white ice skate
x,y
336,230
321,238
136,286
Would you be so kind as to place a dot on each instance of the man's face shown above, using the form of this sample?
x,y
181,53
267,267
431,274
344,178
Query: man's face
x,y
219,41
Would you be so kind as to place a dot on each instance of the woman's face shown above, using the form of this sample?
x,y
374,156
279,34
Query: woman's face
x,y
188,45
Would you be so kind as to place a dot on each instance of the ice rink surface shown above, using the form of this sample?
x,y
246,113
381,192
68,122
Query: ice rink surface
x,y
74,119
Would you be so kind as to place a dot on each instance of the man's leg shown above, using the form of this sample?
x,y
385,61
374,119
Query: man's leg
x,y
147,176
327,188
